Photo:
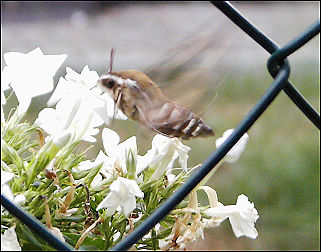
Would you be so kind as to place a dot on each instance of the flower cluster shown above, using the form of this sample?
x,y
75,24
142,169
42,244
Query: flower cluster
x,y
93,204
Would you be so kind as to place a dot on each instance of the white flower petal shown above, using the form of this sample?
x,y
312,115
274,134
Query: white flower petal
x,y
63,88
86,78
233,155
56,231
242,216
9,241
122,193
61,138
129,143
6,76
72,75
6,190
144,161
118,153
45,119
3,101
106,169
132,187
110,141
166,150
6,176
243,227
183,157
123,150
130,204
30,74
74,112
171,178
89,77
20,199
106,110
110,201
24,101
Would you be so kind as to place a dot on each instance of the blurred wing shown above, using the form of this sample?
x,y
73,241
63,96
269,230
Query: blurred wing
x,y
148,103
157,112
173,120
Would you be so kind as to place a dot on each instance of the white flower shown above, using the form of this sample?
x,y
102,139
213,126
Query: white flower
x,y
60,139
84,83
30,74
121,197
73,113
164,152
106,170
73,81
9,241
242,216
234,154
5,178
20,199
114,163
78,106
118,153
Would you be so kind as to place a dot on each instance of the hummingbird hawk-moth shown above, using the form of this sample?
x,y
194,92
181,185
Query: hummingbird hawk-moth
x,y
140,99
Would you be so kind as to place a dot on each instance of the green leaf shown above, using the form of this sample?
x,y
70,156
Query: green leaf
x,y
92,173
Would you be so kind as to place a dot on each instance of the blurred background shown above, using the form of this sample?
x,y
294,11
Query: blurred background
x,y
204,62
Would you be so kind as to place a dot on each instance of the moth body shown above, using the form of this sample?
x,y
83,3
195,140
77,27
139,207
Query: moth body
x,y
140,99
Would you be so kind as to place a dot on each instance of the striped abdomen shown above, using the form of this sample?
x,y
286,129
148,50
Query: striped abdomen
x,y
176,121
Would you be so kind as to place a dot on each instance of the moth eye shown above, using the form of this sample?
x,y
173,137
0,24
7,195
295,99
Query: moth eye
x,y
108,83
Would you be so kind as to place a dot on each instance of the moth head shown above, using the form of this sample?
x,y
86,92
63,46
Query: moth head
x,y
107,84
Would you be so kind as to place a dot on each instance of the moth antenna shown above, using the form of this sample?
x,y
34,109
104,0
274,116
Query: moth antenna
x,y
112,53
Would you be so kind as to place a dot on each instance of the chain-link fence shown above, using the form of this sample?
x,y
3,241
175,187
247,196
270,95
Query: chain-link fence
x,y
278,67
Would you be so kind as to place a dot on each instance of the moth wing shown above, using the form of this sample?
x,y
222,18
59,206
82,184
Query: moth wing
x,y
166,118
158,113
147,107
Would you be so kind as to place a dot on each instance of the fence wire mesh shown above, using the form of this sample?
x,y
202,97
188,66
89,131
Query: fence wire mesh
x,y
278,67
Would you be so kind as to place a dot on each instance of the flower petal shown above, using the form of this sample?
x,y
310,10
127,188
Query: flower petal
x,y
122,193
9,241
110,141
233,155
30,74
111,202
242,216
